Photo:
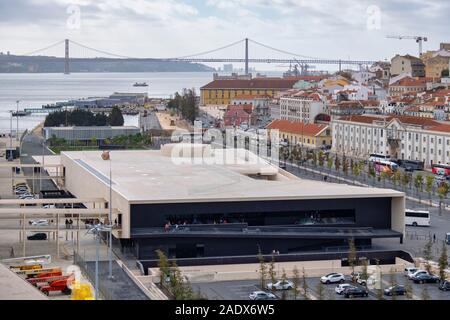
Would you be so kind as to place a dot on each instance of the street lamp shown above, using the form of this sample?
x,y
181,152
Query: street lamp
x,y
17,120
10,157
95,230
106,156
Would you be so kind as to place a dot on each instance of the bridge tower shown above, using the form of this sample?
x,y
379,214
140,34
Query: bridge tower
x,y
246,56
66,57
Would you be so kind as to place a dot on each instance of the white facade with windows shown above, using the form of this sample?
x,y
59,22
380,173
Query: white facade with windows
x,y
391,136
300,109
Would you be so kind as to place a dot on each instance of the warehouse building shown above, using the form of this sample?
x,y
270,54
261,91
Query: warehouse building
x,y
194,201
100,133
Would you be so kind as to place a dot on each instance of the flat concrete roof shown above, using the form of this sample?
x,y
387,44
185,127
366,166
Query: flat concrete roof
x,y
154,176
13,287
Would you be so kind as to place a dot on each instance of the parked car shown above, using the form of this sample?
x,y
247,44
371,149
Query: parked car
x,y
39,223
418,272
333,278
341,288
355,275
396,290
261,295
356,292
21,191
280,285
38,236
425,278
370,280
444,285
409,271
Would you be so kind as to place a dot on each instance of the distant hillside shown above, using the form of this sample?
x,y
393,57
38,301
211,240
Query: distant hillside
x,y
43,64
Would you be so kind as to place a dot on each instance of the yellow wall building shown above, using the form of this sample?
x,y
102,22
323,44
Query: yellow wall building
x,y
220,92
313,135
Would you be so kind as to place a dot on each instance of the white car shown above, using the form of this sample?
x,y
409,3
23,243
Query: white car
x,y
370,281
341,288
261,295
410,270
333,278
49,206
39,223
280,285
415,274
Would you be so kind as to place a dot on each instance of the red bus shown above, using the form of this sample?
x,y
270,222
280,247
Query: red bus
x,y
441,169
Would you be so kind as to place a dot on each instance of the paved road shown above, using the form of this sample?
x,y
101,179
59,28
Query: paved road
x,y
416,237
32,145
239,290
150,122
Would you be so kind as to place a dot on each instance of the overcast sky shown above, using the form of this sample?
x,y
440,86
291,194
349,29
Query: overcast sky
x,y
171,28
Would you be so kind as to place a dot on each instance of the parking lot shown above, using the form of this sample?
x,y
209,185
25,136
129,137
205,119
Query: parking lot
x,y
240,290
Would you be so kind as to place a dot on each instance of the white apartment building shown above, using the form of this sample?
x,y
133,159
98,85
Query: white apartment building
x,y
304,107
401,137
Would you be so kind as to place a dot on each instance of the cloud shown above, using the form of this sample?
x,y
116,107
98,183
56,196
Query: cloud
x,y
168,28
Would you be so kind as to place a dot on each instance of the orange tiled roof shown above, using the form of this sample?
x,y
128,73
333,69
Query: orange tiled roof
x,y
297,127
258,83
409,82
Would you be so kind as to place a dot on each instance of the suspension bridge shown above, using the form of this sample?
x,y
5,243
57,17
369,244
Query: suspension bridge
x,y
203,57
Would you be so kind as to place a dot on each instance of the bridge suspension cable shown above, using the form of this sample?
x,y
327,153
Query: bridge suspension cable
x,y
210,51
43,49
101,51
283,51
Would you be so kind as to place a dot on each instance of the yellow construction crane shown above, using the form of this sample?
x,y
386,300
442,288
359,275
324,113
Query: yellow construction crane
x,y
419,40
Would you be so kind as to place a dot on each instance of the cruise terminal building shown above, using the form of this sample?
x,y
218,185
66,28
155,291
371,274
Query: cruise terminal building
x,y
191,200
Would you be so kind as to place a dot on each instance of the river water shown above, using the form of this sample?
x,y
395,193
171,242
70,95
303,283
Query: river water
x,y
34,90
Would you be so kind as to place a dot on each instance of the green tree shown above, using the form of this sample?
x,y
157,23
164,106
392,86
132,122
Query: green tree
x,y
94,141
164,267
330,163
337,163
392,281
418,182
443,262
429,184
321,158
345,166
409,290
179,287
425,294
384,176
406,179
185,104
320,291
371,170
116,117
283,280
262,269
296,281
364,273
428,254
305,287
442,192
272,272
396,177
352,254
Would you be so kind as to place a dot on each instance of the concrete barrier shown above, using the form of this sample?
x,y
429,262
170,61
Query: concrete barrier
x,y
144,283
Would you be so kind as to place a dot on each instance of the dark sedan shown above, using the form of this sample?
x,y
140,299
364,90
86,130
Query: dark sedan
x,y
38,236
445,286
356,292
396,290
425,278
